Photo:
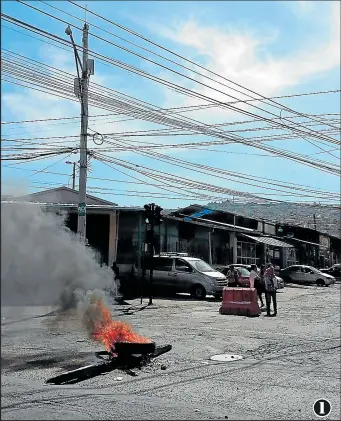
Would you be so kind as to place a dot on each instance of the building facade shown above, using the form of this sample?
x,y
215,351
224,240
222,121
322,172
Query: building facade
x,y
117,234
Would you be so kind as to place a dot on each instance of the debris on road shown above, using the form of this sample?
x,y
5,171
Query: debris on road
x,y
123,355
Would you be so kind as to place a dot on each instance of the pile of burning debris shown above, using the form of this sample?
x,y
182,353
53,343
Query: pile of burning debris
x,y
126,350
125,356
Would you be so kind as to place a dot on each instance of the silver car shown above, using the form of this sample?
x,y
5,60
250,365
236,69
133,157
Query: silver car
x,y
180,273
302,274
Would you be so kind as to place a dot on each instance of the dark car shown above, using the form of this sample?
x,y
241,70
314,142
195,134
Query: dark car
x,y
335,271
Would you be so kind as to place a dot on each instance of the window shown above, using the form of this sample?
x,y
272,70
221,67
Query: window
x,y
242,271
246,253
182,266
163,264
202,266
295,269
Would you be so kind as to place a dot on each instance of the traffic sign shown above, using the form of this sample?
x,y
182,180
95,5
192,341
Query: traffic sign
x,y
81,209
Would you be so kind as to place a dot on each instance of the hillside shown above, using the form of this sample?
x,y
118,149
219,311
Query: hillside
x,y
327,217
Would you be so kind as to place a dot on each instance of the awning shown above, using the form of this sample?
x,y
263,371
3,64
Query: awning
x,y
269,241
305,242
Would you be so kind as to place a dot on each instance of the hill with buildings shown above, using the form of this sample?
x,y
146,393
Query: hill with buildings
x,y
326,218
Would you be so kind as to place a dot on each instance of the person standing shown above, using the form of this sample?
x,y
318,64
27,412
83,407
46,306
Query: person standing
x,y
116,291
253,275
270,289
233,277
116,271
256,282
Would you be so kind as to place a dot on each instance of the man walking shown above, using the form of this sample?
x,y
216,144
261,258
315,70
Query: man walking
x,y
270,289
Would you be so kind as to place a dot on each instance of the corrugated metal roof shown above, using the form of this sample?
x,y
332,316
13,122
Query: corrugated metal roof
x,y
270,241
59,192
303,241
223,224
73,205
210,223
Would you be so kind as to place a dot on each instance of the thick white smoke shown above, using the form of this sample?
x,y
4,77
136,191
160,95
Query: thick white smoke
x,y
42,262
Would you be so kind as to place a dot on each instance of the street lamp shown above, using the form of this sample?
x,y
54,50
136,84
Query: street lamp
x,y
73,173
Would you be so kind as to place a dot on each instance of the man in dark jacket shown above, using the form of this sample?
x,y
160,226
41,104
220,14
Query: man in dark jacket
x,y
270,282
116,271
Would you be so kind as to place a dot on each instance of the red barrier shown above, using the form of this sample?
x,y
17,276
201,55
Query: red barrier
x,y
240,301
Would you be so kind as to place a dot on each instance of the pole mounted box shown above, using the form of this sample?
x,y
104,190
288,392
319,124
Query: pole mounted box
x,y
77,87
90,66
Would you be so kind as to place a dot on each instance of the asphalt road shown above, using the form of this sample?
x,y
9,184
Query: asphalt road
x,y
289,362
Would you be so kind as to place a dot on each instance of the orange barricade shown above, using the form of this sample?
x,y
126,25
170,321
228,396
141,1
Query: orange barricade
x,y
240,301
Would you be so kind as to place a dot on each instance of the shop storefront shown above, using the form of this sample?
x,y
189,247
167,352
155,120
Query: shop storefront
x,y
324,251
291,257
247,253
264,249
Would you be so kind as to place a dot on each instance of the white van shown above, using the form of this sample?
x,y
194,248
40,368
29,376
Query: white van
x,y
180,273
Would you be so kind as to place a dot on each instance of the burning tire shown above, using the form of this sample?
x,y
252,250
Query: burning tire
x,y
198,292
128,348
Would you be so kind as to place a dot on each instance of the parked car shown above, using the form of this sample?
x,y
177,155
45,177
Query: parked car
x,y
302,274
335,271
179,272
244,275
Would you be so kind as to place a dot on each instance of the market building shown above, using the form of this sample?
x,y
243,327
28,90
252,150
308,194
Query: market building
x,y
117,233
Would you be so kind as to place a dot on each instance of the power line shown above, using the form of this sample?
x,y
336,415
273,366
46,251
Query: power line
x,y
183,58
244,140
169,84
178,180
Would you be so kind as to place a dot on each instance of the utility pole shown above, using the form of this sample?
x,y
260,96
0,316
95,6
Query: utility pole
x,y
81,225
73,173
152,217
81,91
209,247
151,273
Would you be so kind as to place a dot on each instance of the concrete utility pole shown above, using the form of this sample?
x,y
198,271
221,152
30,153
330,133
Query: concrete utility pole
x,y
209,247
81,91
73,173
81,225
73,176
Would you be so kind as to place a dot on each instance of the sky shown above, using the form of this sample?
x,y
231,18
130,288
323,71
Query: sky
x,y
274,48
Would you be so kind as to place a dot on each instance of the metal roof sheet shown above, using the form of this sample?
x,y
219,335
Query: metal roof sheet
x,y
270,241
73,205
211,224
303,241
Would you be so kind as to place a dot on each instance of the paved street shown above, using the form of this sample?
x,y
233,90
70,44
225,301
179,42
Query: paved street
x,y
289,362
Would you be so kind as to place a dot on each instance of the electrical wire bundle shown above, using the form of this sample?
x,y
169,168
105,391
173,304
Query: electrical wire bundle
x,y
318,130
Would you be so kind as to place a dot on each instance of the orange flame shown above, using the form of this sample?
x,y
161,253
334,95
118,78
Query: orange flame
x,y
108,331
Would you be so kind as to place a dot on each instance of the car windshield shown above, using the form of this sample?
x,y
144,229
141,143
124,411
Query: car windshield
x,y
313,269
243,271
202,266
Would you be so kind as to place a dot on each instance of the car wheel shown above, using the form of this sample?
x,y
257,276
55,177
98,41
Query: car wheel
x,y
320,283
198,292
